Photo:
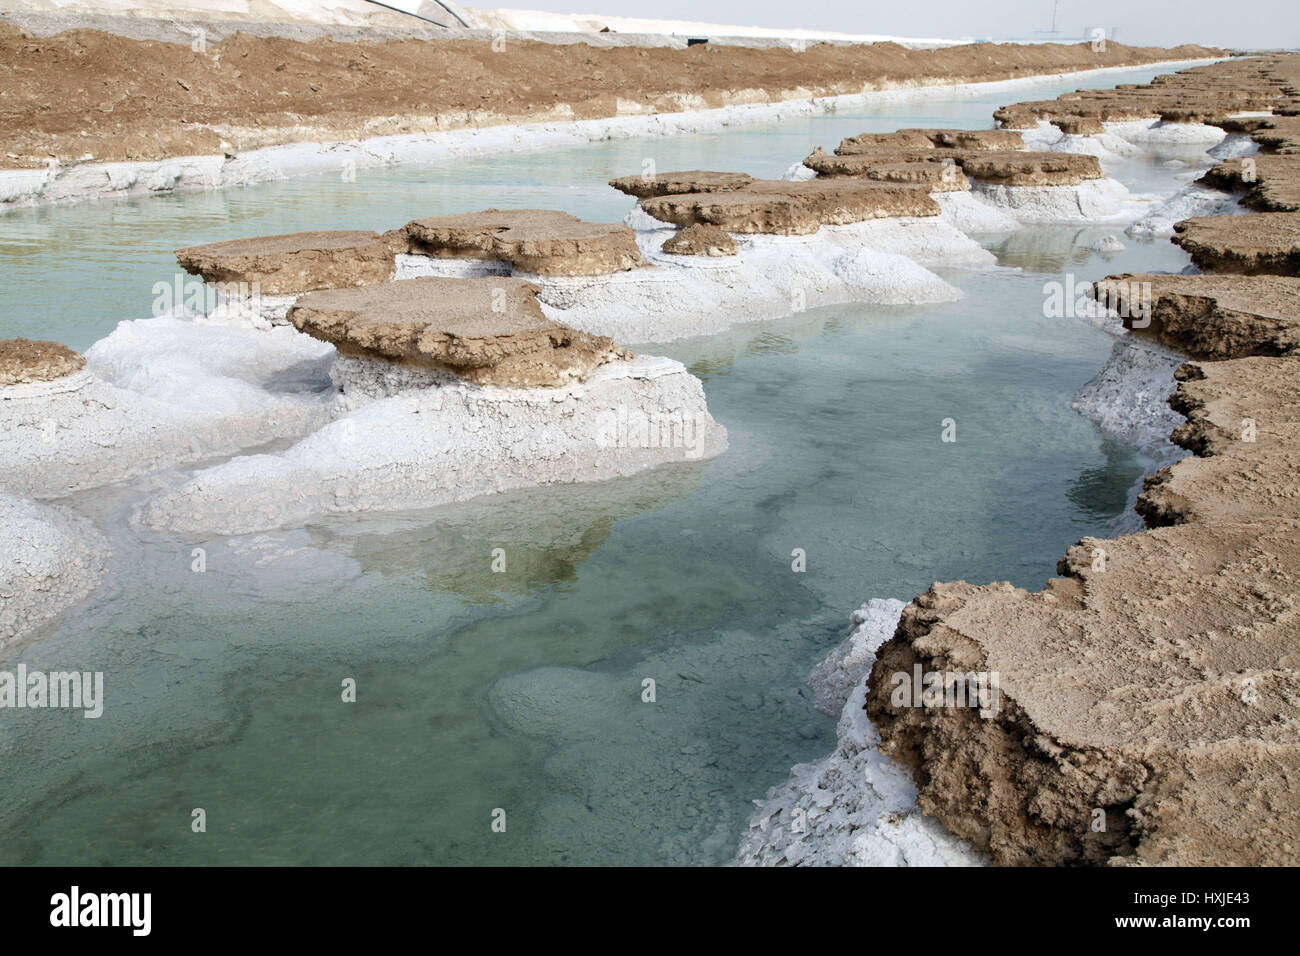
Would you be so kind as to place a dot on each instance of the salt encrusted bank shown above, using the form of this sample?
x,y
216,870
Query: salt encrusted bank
x,y
1194,611
93,180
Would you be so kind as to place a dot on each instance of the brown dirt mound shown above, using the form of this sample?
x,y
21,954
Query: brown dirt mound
x,y
23,361
782,208
668,184
701,240
542,241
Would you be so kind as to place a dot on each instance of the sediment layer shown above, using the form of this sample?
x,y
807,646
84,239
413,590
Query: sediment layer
x,y
670,184
776,207
542,241
1266,243
486,330
1205,94
26,361
1210,316
153,100
700,240
293,263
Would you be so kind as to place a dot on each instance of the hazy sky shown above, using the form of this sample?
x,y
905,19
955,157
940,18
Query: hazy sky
x,y
1247,23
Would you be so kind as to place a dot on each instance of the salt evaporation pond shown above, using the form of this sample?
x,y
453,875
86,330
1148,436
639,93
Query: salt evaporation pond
x,y
522,690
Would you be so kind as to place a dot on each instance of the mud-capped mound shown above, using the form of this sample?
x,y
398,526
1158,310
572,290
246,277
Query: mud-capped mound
x,y
945,169
668,184
799,208
486,330
931,168
293,263
1206,94
964,139
1263,243
26,361
542,241
701,240
1013,168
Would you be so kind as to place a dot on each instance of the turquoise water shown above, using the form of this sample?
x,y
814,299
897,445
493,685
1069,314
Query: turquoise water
x,y
522,691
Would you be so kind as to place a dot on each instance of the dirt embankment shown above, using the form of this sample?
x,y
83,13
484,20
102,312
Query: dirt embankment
x,y
86,94
1149,705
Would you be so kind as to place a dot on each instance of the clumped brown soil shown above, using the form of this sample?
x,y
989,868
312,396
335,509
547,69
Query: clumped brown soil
x,y
486,330
542,241
944,158
23,361
1206,94
1149,706
295,262
776,207
700,240
671,184
86,94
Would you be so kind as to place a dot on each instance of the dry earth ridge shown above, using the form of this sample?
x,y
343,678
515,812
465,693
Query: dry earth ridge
x,y
88,95
1156,682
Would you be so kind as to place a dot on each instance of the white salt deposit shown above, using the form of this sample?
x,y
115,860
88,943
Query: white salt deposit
x,y
160,391
1094,200
1191,200
967,212
50,559
1129,397
433,445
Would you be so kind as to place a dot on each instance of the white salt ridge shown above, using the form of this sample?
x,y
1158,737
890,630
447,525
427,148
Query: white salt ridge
x,y
1107,147
1107,244
50,560
856,807
433,445
1094,200
1235,145
1191,200
969,213
91,180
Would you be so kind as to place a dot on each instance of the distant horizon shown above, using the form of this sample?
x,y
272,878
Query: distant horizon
x,y
1271,24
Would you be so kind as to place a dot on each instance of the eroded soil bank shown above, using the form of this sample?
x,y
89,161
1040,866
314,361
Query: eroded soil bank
x,y
1150,696
87,95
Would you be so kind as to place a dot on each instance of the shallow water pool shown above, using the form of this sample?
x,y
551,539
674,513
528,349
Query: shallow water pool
x,y
518,694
